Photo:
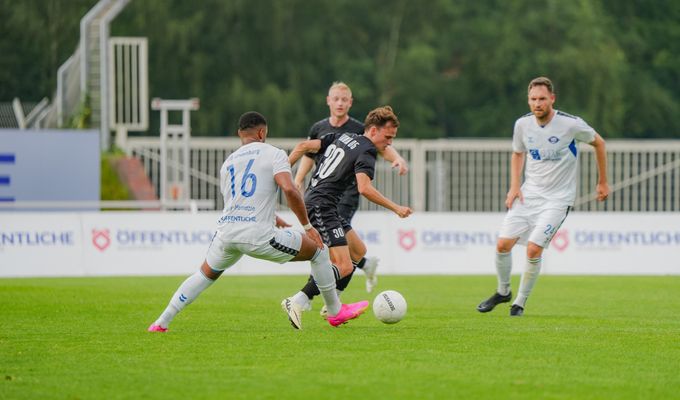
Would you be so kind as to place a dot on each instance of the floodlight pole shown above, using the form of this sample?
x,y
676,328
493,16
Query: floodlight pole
x,y
175,151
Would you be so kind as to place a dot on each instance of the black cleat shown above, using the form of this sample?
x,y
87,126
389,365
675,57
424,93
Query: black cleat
x,y
516,311
489,304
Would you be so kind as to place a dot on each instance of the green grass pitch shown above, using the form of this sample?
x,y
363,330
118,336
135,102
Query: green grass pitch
x,y
580,338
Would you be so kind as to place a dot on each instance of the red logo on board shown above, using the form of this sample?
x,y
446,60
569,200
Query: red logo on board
x,y
561,240
101,239
407,239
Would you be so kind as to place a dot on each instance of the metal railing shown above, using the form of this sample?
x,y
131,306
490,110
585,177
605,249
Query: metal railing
x,y
123,205
465,175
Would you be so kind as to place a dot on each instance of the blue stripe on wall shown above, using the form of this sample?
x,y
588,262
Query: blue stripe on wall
x,y
7,158
4,180
6,199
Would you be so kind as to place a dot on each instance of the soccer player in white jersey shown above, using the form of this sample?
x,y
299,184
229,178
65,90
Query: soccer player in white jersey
x,y
547,138
249,180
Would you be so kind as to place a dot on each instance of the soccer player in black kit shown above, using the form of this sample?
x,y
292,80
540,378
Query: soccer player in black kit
x,y
339,101
345,157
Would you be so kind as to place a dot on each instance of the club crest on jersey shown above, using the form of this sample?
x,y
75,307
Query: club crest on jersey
x,y
553,139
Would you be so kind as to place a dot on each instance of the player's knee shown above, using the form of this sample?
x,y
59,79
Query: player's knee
x,y
534,250
504,246
344,268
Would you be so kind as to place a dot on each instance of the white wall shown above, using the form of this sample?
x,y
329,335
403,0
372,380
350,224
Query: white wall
x,y
147,243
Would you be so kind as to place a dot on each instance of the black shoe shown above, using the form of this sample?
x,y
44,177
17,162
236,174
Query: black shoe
x,y
489,304
516,311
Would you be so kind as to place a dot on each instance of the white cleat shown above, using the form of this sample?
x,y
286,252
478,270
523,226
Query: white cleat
x,y
370,269
294,312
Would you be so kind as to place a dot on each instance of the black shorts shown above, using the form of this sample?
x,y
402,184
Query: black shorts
x,y
349,203
330,224
346,211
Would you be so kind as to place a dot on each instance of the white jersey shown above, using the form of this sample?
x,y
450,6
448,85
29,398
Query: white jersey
x,y
249,191
551,155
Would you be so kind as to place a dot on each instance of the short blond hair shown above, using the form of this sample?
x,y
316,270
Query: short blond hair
x,y
340,85
541,81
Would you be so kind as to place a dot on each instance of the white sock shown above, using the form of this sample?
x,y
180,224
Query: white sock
x,y
529,278
187,292
322,271
301,299
503,270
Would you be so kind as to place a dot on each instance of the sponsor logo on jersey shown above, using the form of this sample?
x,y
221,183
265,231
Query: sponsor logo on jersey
x,y
230,219
553,139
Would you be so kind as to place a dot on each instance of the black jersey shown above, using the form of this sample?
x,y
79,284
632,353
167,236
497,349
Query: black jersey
x,y
324,127
350,200
343,155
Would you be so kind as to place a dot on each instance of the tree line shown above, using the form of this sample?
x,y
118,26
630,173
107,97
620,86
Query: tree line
x,y
449,68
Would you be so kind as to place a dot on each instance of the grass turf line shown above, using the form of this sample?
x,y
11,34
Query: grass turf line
x,y
581,337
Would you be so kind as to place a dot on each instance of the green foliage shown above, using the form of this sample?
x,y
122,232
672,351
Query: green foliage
x,y
111,186
36,37
449,68
580,338
82,118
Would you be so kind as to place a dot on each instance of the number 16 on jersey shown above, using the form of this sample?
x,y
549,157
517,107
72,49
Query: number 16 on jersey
x,y
248,180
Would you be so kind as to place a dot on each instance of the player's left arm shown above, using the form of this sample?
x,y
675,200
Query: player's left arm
x,y
367,190
392,155
602,187
302,148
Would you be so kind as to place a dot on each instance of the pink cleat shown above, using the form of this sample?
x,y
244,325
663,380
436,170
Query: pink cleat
x,y
347,312
157,328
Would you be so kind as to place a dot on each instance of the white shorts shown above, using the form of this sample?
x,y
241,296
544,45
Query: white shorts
x,y
534,221
283,247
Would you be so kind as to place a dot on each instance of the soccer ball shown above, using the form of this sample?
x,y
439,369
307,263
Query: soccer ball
x,y
389,306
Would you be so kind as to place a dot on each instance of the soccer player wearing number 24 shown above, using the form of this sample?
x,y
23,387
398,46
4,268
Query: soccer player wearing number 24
x,y
249,181
536,210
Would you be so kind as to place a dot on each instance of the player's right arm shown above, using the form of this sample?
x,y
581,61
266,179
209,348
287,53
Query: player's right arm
x,y
392,155
297,204
306,164
516,164
602,187
308,146
371,193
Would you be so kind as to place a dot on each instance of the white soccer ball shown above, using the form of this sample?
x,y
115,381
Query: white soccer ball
x,y
389,306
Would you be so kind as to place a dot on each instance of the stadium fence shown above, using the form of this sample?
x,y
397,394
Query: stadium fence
x,y
463,175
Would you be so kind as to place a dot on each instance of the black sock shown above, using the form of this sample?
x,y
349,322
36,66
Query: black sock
x,y
342,283
361,263
310,288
